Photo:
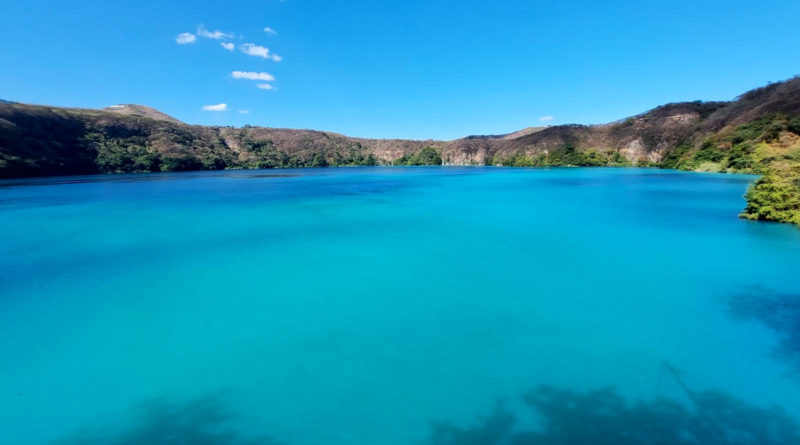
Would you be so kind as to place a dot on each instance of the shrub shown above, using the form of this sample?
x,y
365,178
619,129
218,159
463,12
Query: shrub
x,y
709,153
774,198
180,163
426,156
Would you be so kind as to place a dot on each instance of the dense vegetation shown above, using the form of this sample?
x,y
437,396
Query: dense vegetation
x,y
567,155
426,156
775,197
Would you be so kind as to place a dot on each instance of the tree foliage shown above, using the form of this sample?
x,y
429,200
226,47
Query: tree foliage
x,y
426,156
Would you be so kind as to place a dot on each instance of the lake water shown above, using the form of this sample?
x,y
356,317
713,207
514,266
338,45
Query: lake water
x,y
368,306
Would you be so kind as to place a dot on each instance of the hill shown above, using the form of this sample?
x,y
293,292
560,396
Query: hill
x,y
40,141
758,132
141,111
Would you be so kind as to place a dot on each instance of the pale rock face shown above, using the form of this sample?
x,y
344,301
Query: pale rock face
x,y
464,156
656,155
636,151
681,119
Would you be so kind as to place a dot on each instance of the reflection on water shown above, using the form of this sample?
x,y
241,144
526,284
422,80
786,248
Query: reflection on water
x,y
200,422
778,311
603,417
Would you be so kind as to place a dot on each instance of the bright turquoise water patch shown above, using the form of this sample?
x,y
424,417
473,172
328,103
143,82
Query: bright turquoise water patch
x,y
357,306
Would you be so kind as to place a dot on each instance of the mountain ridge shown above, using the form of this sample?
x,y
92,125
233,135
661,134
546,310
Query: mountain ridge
x,y
757,132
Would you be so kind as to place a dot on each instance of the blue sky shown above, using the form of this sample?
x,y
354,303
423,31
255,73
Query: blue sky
x,y
415,69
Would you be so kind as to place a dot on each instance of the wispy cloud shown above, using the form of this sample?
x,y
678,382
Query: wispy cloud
x,y
185,37
243,111
546,118
262,79
217,107
250,75
216,35
251,49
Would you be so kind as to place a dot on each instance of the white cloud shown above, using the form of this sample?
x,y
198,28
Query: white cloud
x,y
216,35
255,50
270,31
250,75
217,107
185,37
227,45
546,118
243,111
265,86
251,49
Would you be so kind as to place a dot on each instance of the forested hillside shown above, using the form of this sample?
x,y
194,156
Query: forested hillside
x,y
758,132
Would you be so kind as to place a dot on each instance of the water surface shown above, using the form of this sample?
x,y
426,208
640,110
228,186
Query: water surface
x,y
357,306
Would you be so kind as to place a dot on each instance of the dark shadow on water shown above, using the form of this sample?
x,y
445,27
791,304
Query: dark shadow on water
x,y
200,422
777,311
550,416
603,417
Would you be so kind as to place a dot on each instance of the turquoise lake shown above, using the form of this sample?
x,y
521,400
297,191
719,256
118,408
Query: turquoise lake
x,y
375,305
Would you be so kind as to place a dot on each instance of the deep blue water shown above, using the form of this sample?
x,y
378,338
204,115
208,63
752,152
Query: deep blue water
x,y
357,306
